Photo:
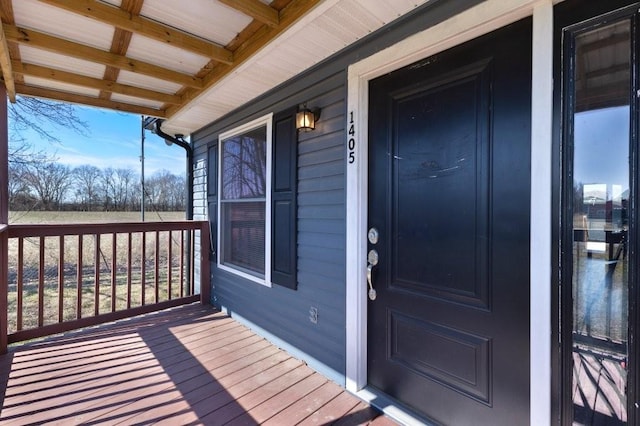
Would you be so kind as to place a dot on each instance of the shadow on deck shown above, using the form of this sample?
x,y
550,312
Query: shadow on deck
x,y
187,365
599,390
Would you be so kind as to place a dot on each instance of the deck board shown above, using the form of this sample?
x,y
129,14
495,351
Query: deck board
x,y
306,406
268,401
332,410
186,365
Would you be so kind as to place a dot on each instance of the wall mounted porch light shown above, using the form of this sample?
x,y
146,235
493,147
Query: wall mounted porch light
x,y
306,118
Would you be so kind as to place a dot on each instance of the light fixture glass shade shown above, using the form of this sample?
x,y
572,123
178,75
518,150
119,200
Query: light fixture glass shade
x,y
305,120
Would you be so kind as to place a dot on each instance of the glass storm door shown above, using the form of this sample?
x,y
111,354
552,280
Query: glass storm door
x,y
599,109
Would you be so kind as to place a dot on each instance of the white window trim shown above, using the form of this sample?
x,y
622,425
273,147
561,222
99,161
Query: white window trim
x,y
267,121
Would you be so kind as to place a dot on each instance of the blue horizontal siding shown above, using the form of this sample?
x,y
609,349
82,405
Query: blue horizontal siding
x,y
321,170
321,183
330,226
326,156
332,196
281,313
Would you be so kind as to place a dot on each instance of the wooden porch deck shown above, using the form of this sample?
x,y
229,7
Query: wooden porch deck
x,y
187,365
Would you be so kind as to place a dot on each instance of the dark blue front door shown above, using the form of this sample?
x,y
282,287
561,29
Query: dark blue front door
x,y
449,191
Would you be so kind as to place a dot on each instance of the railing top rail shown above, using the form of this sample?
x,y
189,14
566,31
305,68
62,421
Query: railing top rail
x,y
58,229
3,227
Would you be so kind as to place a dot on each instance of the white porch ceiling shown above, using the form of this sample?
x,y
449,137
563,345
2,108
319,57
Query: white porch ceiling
x,y
117,61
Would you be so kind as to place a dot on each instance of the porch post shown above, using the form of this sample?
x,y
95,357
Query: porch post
x,y
4,218
541,153
205,272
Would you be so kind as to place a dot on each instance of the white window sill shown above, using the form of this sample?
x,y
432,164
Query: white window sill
x,y
244,275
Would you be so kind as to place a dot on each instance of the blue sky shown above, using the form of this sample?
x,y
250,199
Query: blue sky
x,y
602,146
112,140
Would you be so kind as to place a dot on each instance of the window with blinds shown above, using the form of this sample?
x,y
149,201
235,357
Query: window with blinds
x,y
244,199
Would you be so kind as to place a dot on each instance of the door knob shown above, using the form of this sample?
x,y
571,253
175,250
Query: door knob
x,y
372,257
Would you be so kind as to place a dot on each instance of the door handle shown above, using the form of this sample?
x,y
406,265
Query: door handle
x,y
372,291
372,259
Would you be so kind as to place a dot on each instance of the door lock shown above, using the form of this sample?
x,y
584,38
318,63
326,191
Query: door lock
x,y
372,260
372,257
373,235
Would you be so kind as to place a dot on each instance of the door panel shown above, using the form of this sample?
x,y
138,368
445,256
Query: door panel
x,y
451,167
451,357
449,190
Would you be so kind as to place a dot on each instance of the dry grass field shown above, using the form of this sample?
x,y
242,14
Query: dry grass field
x,y
16,217
60,281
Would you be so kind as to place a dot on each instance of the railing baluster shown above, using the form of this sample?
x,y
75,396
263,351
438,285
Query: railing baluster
x,y
20,284
96,291
80,278
41,284
143,267
129,238
61,279
114,265
157,268
169,262
182,263
192,261
4,227
4,260
205,271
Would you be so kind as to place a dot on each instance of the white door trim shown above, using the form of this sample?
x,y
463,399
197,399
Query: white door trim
x,y
472,23
540,238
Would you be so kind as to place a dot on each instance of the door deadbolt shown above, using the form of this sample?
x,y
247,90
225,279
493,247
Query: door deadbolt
x,y
373,235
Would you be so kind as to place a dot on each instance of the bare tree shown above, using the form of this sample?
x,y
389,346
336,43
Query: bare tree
x,y
88,186
108,188
19,196
35,178
177,191
50,186
166,191
117,186
50,183
44,117
153,189
136,194
244,167
125,182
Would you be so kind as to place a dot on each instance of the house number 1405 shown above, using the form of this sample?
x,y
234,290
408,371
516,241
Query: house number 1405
x,y
351,144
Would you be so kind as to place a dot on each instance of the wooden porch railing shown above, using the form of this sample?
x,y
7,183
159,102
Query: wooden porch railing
x,y
61,277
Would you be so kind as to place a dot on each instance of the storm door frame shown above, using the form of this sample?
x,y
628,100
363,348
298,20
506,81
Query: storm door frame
x,y
565,272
